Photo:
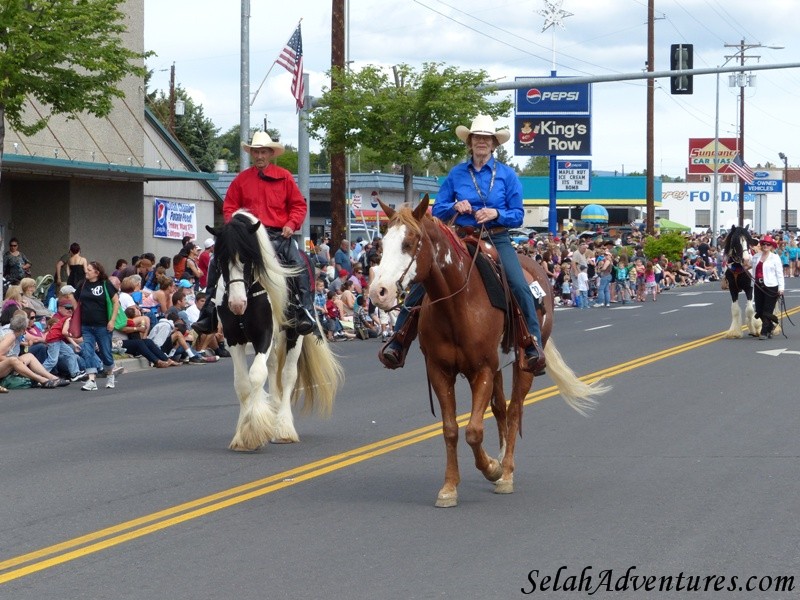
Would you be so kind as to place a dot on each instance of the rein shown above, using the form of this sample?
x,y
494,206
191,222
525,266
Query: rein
x,y
456,245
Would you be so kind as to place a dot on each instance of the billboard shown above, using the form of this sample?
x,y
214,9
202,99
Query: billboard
x,y
701,155
562,99
556,135
173,220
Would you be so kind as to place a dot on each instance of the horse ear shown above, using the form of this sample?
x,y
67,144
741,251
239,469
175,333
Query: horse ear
x,y
386,208
254,227
213,231
422,208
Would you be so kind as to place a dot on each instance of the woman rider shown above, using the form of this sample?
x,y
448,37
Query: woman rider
x,y
479,192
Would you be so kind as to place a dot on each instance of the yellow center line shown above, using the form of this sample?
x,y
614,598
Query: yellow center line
x,y
129,530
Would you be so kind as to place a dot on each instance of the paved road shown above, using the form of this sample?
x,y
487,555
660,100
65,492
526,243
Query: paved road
x,y
689,467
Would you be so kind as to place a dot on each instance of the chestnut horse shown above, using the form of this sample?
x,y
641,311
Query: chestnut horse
x,y
460,332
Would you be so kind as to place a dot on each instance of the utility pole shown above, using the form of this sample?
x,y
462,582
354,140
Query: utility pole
x,y
651,90
172,100
244,87
338,167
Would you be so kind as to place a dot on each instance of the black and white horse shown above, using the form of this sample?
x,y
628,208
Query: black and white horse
x,y
737,275
251,306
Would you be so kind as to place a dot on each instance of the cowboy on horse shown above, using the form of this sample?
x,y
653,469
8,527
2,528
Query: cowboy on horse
x,y
270,193
484,196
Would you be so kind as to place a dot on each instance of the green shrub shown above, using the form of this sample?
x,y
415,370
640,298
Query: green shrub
x,y
670,244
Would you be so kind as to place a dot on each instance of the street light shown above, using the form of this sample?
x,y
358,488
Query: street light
x,y
785,160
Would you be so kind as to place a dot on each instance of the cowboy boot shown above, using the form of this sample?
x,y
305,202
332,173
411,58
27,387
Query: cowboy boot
x,y
393,353
302,306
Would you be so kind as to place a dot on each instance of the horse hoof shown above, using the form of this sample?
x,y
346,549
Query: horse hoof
x,y
494,472
447,500
504,486
241,448
283,441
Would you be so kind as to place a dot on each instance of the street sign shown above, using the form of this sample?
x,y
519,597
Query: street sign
x,y
573,175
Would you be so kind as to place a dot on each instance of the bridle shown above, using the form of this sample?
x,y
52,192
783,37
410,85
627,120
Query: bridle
x,y
402,290
247,281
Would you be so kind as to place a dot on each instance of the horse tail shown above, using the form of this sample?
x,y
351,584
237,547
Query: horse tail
x,y
578,394
319,377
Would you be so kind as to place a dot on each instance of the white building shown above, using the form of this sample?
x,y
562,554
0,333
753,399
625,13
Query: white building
x,y
692,203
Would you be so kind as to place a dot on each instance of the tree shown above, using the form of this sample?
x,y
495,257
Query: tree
x,y
537,166
67,55
412,115
194,130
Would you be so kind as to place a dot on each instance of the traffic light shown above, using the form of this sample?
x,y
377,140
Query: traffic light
x,y
681,59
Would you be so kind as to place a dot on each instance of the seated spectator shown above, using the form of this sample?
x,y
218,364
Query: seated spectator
x,y
168,334
348,298
61,347
26,364
119,268
334,330
362,321
28,300
135,342
13,297
215,342
358,279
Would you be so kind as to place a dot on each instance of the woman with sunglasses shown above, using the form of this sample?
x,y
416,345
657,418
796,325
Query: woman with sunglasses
x,y
767,271
16,265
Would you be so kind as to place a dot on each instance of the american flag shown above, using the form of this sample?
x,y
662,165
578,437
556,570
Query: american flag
x,y
742,169
291,59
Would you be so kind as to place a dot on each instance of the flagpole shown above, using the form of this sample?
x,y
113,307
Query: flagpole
x,y
262,83
244,93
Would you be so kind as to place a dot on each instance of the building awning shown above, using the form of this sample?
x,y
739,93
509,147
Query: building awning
x,y
16,166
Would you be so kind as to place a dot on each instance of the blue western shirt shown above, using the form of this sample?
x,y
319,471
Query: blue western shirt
x,y
504,195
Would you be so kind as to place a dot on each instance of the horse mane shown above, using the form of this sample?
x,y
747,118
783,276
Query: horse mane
x,y
235,242
405,216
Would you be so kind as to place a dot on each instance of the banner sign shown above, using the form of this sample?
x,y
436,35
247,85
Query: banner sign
x,y
546,136
573,175
173,220
562,99
701,155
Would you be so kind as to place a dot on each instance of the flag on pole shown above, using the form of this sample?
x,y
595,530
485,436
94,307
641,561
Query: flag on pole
x,y
291,59
742,169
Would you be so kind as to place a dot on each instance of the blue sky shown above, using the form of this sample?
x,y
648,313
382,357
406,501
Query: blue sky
x,y
504,37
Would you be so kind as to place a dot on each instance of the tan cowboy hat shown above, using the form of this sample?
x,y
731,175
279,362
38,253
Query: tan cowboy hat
x,y
261,139
483,125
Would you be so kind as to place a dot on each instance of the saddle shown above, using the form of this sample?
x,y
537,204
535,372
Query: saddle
x,y
487,261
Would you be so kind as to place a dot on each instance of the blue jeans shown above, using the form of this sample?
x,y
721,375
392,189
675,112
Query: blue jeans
x,y
57,350
99,340
516,281
604,291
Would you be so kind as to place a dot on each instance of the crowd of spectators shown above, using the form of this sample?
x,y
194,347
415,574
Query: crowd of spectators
x,y
159,299
149,309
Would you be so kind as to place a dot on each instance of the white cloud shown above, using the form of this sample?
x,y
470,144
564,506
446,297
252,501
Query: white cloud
x,y
504,38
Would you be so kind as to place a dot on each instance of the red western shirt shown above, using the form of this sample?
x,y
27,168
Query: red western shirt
x,y
275,201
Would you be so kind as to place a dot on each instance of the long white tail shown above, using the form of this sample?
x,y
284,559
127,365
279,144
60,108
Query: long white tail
x,y
578,394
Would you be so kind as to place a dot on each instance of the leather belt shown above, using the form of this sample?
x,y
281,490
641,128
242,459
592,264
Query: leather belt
x,y
470,231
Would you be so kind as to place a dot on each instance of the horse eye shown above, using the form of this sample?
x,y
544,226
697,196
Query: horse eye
x,y
406,246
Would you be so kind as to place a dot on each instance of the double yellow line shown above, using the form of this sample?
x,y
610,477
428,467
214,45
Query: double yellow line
x,y
44,558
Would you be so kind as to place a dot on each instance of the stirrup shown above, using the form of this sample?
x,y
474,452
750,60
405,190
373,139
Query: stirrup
x,y
391,357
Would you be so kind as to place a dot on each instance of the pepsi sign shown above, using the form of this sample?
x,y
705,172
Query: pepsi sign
x,y
559,99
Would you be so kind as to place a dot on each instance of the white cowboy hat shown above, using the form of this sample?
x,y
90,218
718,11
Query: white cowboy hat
x,y
261,139
483,125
